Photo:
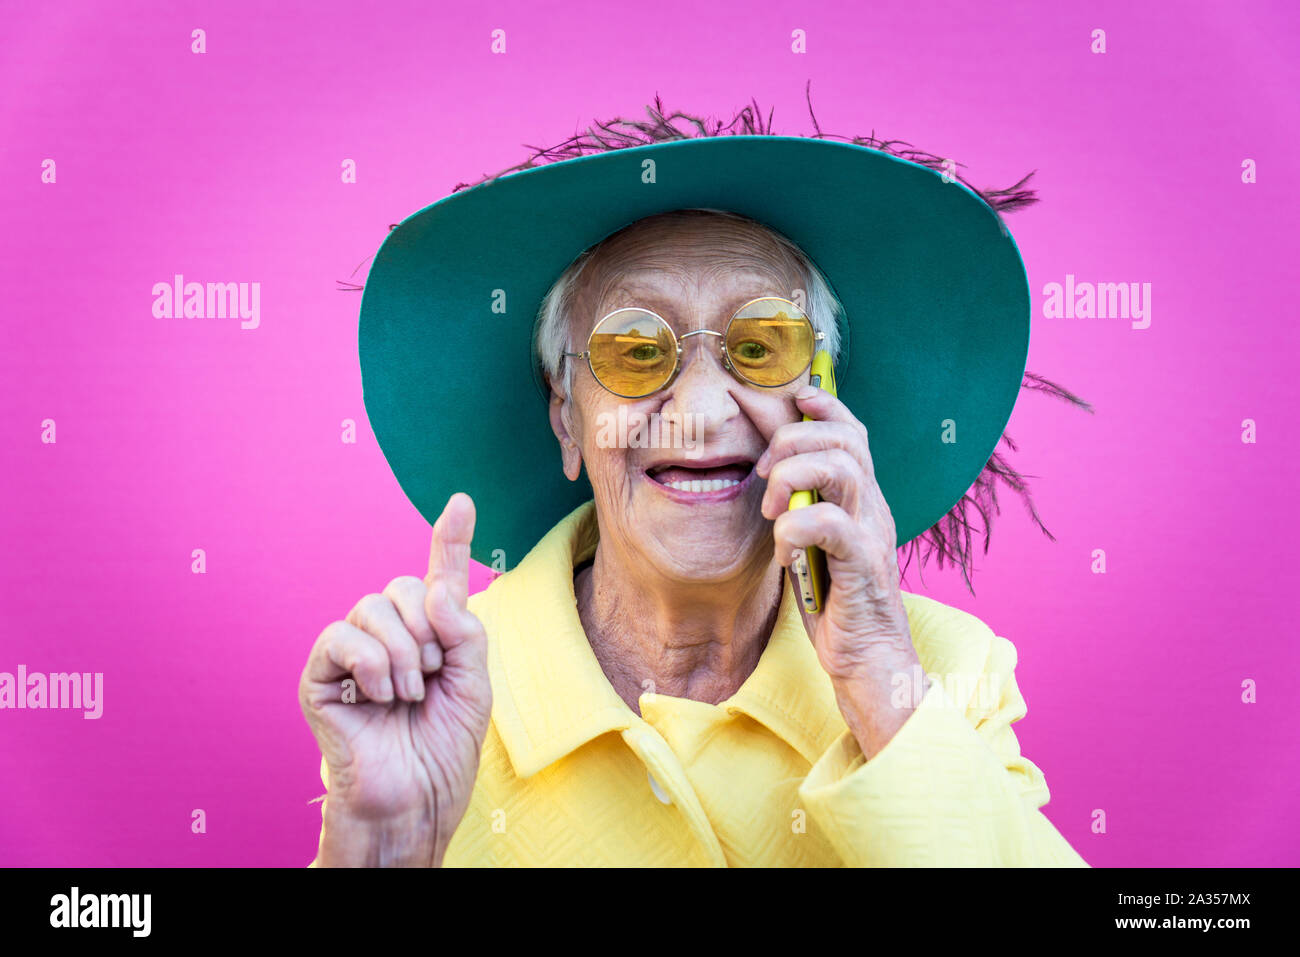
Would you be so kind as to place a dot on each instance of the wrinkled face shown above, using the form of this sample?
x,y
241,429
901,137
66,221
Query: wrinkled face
x,y
673,472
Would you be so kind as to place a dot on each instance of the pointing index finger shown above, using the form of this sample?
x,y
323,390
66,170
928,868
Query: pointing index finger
x,y
449,549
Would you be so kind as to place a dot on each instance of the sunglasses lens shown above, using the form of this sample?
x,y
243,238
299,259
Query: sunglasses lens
x,y
770,342
633,352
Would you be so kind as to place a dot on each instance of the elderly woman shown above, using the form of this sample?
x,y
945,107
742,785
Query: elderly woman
x,y
646,687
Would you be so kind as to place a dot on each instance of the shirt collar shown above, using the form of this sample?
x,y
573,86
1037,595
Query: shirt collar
x,y
550,695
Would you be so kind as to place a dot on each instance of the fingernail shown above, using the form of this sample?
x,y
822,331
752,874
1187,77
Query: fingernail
x,y
430,657
761,463
415,685
807,392
386,689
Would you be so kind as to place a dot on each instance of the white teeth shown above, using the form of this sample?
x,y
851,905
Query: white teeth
x,y
706,485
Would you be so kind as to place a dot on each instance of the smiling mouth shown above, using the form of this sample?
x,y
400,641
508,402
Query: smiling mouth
x,y
697,480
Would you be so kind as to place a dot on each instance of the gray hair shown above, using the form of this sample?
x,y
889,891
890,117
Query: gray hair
x,y
552,330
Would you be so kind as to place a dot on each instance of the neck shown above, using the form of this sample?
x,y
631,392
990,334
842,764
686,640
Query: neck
x,y
688,640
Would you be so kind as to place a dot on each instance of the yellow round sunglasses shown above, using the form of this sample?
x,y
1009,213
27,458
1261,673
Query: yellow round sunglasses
x,y
633,352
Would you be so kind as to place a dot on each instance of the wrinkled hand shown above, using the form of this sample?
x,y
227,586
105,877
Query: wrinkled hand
x,y
861,636
399,700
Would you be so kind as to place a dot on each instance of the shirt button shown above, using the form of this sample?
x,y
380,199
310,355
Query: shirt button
x,y
660,793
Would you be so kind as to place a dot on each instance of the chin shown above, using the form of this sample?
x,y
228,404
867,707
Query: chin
x,y
705,559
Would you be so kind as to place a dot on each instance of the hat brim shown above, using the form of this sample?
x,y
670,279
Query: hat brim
x,y
933,286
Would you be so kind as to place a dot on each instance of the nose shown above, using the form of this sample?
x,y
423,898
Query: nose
x,y
703,386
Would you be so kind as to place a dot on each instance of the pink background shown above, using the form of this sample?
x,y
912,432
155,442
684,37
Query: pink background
x,y
182,434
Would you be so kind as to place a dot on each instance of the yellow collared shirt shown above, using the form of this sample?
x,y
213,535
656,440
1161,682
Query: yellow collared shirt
x,y
571,776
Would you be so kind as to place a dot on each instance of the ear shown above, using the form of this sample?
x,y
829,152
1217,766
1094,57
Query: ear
x,y
561,413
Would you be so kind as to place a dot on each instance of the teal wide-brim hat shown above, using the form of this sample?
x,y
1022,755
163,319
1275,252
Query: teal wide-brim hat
x,y
934,339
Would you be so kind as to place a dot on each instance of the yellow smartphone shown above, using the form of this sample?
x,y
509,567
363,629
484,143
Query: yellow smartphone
x,y
811,576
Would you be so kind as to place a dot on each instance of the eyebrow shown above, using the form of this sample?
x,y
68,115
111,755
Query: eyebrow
x,y
640,293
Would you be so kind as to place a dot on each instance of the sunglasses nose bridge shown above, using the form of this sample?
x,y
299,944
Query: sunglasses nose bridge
x,y
721,347
699,332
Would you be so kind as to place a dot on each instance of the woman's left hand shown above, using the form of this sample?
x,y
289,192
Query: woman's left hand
x,y
861,636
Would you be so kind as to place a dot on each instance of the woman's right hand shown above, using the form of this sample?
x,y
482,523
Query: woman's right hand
x,y
398,698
